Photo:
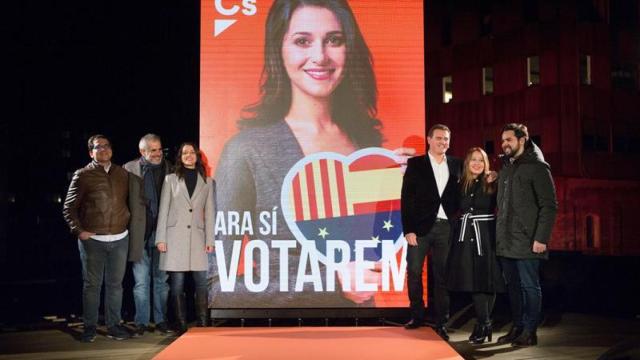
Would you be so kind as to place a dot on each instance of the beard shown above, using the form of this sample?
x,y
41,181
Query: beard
x,y
510,152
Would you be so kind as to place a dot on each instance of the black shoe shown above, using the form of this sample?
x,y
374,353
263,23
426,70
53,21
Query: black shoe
x,y
88,335
118,332
164,329
527,338
138,331
442,331
413,324
513,333
480,332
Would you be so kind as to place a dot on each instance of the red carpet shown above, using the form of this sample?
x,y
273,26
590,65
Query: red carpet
x,y
309,343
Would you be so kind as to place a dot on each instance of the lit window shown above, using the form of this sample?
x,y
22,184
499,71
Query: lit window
x,y
487,80
592,231
585,69
447,89
533,70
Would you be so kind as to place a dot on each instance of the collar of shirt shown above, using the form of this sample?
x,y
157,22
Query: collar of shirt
x,y
106,168
435,162
441,174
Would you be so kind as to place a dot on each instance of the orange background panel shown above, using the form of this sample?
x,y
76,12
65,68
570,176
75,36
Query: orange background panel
x,y
231,65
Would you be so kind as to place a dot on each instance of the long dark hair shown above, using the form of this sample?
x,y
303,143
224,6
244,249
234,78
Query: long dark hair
x,y
180,169
353,103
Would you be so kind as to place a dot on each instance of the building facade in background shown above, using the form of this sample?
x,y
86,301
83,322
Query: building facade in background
x,y
570,71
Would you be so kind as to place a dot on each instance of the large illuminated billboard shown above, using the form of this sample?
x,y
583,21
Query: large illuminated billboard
x,y
305,107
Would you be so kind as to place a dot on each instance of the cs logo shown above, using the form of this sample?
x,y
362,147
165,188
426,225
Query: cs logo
x,y
248,8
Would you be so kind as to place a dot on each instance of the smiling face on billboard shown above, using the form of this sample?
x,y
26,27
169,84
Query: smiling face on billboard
x,y
314,52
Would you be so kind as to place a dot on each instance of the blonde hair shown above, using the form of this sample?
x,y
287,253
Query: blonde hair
x,y
467,176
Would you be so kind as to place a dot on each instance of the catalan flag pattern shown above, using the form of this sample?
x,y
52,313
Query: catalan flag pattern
x,y
332,200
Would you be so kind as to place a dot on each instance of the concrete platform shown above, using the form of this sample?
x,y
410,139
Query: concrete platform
x,y
563,336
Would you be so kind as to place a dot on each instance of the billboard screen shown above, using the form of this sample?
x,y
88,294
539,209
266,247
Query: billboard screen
x,y
305,108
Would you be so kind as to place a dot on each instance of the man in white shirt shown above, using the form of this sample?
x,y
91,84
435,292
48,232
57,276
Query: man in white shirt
x,y
429,201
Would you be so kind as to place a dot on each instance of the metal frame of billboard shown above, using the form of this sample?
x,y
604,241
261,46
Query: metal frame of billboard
x,y
303,313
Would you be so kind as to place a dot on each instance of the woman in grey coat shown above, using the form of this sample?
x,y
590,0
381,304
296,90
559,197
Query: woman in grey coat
x,y
184,235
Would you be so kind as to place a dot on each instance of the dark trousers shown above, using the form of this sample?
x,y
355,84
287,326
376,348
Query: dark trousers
x,y
435,242
483,305
177,282
108,261
525,294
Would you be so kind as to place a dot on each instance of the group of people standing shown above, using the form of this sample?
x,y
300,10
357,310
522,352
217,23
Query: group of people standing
x,y
153,214
486,232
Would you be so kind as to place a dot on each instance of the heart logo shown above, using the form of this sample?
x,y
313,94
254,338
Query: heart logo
x,y
329,196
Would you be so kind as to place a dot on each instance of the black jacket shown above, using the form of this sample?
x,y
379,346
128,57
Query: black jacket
x,y
527,205
420,199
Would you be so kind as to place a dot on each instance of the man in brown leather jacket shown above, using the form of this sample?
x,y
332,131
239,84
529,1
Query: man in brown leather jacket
x,y
97,213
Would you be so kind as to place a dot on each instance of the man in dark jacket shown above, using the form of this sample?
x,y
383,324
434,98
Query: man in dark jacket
x,y
97,213
527,209
146,175
429,201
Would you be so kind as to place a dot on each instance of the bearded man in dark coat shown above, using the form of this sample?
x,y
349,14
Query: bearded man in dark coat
x,y
527,209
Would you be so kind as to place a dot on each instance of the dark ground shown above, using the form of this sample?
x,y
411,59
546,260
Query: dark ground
x,y
593,285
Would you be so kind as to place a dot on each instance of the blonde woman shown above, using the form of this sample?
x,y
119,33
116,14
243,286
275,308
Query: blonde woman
x,y
472,264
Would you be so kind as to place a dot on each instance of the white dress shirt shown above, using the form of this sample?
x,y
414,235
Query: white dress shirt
x,y
441,173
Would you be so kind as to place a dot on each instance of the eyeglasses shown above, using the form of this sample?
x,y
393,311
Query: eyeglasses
x,y
102,147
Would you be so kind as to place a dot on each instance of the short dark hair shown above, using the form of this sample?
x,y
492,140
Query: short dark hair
x,y
520,130
94,138
438,127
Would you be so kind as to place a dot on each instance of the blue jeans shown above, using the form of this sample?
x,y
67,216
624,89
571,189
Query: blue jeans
x,y
525,294
108,261
177,282
147,274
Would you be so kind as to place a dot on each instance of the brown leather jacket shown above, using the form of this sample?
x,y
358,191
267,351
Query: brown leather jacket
x,y
97,201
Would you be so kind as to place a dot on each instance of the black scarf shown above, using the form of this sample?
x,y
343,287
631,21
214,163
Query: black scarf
x,y
151,172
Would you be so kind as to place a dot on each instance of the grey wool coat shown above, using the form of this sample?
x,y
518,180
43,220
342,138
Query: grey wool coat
x,y
185,224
